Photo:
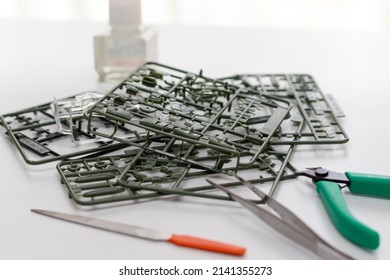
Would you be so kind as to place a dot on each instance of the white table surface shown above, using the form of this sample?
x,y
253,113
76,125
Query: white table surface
x,y
39,60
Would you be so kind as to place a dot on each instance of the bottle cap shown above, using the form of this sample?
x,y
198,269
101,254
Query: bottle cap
x,y
125,12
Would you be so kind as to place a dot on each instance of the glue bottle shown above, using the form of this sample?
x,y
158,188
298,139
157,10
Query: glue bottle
x,y
129,43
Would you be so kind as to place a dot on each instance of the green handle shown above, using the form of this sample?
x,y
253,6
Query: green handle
x,y
342,218
369,184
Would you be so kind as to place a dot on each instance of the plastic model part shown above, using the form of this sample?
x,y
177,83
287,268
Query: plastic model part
x,y
158,100
38,139
142,173
69,110
319,113
162,130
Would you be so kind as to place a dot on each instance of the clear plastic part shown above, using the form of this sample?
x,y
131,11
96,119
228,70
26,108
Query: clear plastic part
x,y
68,110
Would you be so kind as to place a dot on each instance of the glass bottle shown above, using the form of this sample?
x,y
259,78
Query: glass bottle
x,y
129,43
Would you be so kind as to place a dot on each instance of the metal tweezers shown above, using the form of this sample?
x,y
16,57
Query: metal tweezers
x,y
287,224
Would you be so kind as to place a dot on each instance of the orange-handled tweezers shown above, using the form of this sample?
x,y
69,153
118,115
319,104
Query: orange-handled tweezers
x,y
151,234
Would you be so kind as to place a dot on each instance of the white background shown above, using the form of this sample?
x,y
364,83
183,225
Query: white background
x,y
41,59
276,14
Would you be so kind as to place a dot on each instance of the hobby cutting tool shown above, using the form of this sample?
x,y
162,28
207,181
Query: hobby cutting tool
x,y
150,234
287,224
328,184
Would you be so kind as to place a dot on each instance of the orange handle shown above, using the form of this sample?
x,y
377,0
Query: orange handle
x,y
204,244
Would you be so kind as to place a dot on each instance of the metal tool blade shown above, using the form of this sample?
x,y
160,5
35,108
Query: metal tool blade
x,y
126,229
290,226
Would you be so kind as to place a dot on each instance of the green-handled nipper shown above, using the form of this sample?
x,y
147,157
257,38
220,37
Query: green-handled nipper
x,y
329,183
